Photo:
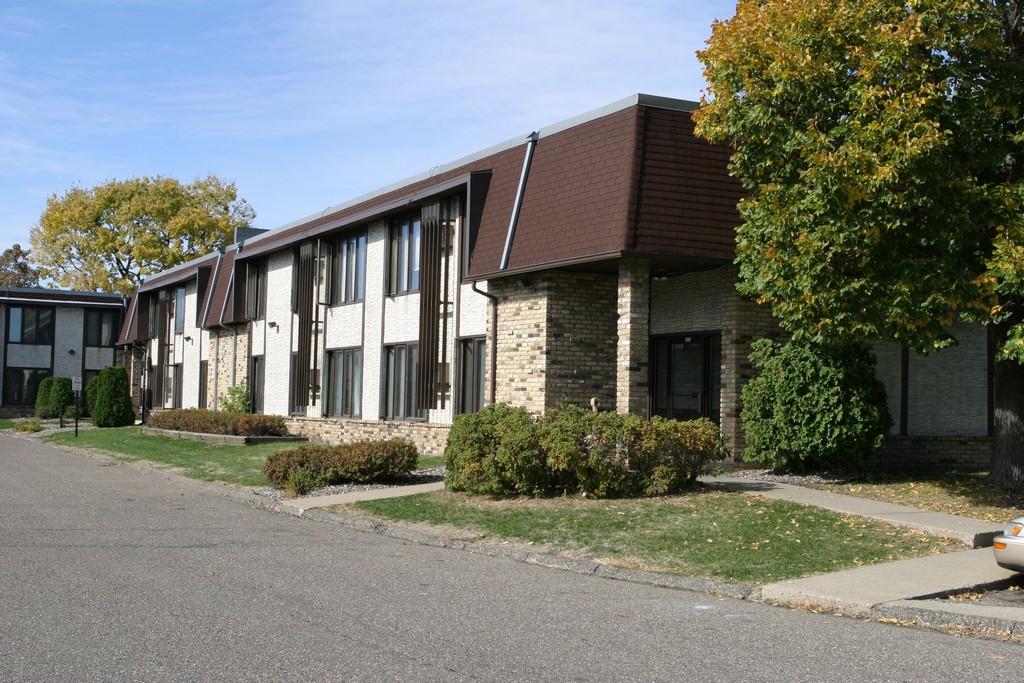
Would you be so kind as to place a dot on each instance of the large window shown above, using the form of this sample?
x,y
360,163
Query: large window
x,y
404,255
472,371
22,384
256,290
30,325
345,383
348,281
99,328
398,395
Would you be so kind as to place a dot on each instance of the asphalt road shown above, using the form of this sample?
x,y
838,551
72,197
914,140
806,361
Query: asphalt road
x,y
111,573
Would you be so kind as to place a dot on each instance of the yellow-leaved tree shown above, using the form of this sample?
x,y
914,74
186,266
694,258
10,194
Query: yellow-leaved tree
x,y
881,143
109,237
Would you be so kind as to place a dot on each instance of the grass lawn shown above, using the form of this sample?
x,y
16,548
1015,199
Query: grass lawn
x,y
240,465
966,494
705,533
6,424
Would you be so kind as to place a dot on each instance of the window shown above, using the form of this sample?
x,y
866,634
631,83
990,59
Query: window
x,y
204,374
401,363
256,375
297,389
472,371
22,384
348,281
256,290
345,382
172,386
99,328
404,256
179,310
30,325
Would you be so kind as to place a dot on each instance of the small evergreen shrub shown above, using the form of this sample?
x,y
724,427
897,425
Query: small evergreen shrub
x,y
89,395
302,469
112,398
503,451
813,406
44,411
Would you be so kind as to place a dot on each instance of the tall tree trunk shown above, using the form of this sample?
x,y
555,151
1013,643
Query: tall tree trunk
x,y
1007,468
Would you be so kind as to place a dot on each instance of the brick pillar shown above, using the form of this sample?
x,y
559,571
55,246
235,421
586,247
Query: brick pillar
x,y
634,332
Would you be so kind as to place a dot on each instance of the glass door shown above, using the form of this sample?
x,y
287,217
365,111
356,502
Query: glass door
x,y
686,376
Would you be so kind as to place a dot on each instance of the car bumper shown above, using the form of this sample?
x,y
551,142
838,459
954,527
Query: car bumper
x,y
1009,552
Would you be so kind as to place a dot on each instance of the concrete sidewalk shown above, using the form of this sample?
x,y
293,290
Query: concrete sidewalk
x,y
298,506
905,590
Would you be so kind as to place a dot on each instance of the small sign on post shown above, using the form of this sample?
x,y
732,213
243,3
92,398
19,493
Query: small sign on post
x,y
76,386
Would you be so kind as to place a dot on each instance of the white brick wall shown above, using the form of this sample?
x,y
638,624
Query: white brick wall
x,y
948,389
277,343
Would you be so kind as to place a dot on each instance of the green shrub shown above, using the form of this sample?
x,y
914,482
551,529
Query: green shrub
x,y
503,451
54,397
43,408
261,425
312,466
236,399
496,452
29,425
112,398
813,406
206,421
89,395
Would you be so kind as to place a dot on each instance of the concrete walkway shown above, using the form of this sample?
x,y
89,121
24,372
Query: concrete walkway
x,y
300,505
903,590
906,591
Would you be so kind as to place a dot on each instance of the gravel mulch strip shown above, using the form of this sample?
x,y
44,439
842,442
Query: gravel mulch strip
x,y
425,476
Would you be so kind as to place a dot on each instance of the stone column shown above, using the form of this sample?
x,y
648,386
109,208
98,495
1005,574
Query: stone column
x,y
634,332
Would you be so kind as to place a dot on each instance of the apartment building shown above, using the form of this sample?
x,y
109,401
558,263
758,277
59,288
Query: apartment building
x,y
589,261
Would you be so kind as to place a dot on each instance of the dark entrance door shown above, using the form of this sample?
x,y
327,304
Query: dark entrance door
x,y
686,376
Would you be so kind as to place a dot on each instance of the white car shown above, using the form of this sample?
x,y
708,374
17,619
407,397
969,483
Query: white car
x,y
1008,547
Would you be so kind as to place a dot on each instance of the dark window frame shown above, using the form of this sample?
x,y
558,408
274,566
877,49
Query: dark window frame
x,y
345,368
399,369
31,332
256,290
94,328
348,269
27,398
404,246
257,379
472,374
178,310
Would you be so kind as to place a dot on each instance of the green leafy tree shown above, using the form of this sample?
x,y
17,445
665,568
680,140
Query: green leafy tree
x,y
15,269
881,145
109,237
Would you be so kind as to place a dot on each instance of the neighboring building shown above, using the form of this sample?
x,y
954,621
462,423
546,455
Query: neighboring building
x,y
590,261
49,332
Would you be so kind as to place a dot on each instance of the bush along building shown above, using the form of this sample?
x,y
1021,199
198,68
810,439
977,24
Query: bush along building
x,y
53,333
589,262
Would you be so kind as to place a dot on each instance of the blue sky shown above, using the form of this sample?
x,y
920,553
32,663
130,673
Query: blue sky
x,y
309,103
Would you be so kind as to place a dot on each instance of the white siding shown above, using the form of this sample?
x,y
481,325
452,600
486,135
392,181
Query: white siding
x,y
344,326
28,356
69,336
191,351
277,342
472,311
376,246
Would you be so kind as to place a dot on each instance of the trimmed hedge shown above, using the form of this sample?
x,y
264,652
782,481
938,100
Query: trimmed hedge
x,y
206,421
504,451
309,467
